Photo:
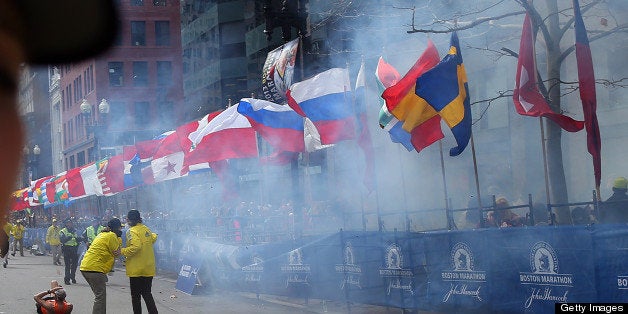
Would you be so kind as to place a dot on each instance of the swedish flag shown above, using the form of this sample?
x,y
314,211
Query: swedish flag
x,y
444,87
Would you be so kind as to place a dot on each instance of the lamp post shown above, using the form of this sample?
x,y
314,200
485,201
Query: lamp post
x,y
95,124
32,163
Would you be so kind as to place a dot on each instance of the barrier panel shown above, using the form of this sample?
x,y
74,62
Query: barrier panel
x,y
510,270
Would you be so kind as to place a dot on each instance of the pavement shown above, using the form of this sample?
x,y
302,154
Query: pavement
x,y
28,275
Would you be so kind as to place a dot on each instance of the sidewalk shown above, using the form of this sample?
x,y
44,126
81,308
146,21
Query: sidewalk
x,y
28,275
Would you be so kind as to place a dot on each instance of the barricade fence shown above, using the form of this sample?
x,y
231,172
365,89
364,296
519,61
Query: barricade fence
x,y
514,270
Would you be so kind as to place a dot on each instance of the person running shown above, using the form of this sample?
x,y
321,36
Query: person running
x,y
70,242
52,238
56,303
98,261
140,262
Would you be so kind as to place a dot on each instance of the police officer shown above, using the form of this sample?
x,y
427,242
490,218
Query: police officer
x,y
69,240
92,231
18,237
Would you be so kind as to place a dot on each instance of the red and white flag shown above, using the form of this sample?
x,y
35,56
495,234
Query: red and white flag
x,y
527,98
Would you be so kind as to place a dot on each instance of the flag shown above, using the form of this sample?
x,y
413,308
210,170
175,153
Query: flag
x,y
445,88
586,84
526,96
83,181
167,161
278,124
388,76
311,137
364,136
278,71
419,119
325,99
111,174
223,136
19,200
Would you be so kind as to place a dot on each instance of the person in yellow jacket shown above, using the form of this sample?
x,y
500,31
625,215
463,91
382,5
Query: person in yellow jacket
x,y
98,261
8,226
18,237
140,262
52,238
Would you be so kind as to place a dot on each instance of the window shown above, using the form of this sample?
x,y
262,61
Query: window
x,y
72,163
162,33
140,73
142,113
137,2
164,73
138,33
80,158
159,3
116,73
118,113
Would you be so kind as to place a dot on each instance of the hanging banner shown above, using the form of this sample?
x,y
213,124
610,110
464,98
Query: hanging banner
x,y
278,71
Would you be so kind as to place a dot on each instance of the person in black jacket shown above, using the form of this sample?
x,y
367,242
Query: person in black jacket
x,y
70,241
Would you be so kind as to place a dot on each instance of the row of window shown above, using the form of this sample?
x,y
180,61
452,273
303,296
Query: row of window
x,y
82,85
140,78
138,33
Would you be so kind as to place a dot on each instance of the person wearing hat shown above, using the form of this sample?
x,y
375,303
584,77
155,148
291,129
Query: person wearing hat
x,y
82,29
70,241
55,303
615,208
52,238
18,237
99,260
140,262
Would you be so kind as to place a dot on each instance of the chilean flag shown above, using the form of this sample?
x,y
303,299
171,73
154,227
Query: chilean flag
x,y
326,100
278,124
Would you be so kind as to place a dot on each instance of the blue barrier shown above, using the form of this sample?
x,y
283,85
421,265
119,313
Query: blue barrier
x,y
513,270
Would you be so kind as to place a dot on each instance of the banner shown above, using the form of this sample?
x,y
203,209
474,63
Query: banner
x,y
278,71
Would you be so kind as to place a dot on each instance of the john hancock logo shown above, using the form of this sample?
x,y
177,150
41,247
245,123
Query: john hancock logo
x,y
544,281
295,270
463,279
349,269
253,272
394,273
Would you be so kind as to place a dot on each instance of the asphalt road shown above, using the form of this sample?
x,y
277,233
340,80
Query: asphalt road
x,y
28,275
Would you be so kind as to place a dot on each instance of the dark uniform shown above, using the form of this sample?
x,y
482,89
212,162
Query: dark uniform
x,y
70,242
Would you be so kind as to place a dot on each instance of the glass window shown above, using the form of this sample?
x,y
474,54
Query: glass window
x,y
164,73
116,73
159,3
142,113
137,2
140,73
138,33
162,33
165,113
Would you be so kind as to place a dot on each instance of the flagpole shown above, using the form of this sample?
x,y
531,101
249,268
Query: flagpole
x,y
477,182
442,168
547,190
306,153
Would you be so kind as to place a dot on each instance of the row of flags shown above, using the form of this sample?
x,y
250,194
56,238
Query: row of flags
x,y
321,111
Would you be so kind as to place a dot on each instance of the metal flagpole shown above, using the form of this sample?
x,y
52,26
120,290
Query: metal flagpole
x,y
442,168
477,182
547,189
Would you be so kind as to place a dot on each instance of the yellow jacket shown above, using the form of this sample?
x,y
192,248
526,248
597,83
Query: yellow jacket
x,y
99,257
8,227
52,235
18,231
139,253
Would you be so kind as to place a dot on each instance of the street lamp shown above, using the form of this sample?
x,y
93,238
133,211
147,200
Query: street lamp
x,y
32,161
95,125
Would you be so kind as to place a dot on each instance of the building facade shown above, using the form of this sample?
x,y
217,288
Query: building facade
x,y
139,78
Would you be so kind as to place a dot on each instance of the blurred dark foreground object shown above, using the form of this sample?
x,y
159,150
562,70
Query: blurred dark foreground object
x,y
64,31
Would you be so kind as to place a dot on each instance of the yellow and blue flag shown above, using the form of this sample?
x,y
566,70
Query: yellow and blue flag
x,y
444,87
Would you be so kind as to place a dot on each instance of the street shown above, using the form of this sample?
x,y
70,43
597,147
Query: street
x,y
28,275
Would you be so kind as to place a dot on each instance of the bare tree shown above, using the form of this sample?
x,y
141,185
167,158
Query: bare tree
x,y
552,22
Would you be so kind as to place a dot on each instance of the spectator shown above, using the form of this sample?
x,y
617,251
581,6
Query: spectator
x,y
615,208
92,231
8,226
53,304
580,216
52,238
502,216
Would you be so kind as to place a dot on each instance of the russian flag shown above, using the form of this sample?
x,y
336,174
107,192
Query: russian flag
x,y
326,100
278,124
